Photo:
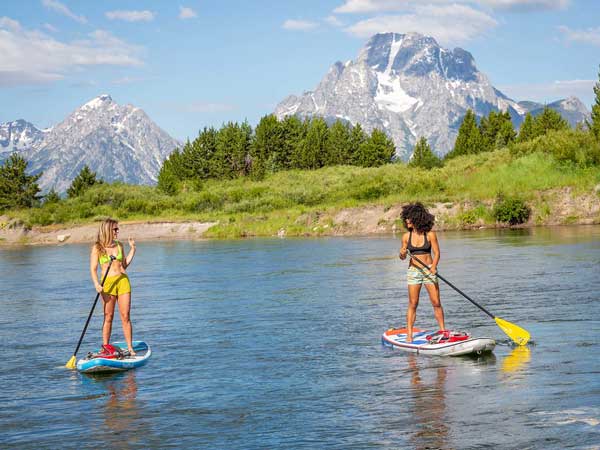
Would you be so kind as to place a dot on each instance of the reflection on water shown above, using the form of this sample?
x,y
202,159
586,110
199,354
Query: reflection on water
x,y
429,407
121,411
517,359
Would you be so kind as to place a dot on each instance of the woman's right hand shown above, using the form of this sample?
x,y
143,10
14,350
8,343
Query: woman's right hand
x,y
98,288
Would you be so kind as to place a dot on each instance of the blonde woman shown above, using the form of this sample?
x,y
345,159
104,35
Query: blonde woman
x,y
116,287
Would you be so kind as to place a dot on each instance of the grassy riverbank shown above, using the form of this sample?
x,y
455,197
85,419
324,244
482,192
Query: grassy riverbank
x,y
302,202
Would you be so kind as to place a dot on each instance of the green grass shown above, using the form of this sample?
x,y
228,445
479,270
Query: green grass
x,y
303,202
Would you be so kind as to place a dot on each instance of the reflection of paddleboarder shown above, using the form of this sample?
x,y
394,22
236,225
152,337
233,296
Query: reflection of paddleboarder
x,y
121,411
421,241
430,408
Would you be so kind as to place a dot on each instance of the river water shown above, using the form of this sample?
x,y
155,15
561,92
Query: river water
x,y
275,343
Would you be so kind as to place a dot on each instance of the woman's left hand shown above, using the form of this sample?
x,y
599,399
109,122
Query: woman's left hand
x,y
131,242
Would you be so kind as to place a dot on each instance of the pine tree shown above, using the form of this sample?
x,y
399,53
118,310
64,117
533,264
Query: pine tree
x,y
82,182
378,149
170,173
506,132
337,149
294,132
357,138
232,153
196,157
310,152
51,197
526,132
594,125
496,130
549,120
469,140
17,189
267,146
423,156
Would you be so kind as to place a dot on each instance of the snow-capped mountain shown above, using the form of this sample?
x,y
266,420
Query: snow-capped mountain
x,y
119,143
408,86
18,136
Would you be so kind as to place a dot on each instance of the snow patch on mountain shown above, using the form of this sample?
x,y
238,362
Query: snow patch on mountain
x,y
410,87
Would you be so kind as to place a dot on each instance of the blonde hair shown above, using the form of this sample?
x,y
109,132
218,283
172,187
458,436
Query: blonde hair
x,y
106,235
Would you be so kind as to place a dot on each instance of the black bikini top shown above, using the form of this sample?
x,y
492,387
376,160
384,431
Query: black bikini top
x,y
423,250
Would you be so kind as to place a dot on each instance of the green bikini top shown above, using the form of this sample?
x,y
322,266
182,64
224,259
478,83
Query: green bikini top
x,y
103,259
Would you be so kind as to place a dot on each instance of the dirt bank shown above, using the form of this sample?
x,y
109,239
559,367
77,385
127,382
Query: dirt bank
x,y
142,231
549,208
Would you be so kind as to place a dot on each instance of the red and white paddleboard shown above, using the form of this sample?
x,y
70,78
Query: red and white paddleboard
x,y
441,343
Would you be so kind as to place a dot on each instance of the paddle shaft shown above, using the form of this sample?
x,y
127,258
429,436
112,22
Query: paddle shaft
x,y
112,258
454,287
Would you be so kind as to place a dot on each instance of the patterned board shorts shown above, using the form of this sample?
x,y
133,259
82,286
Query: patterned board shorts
x,y
420,276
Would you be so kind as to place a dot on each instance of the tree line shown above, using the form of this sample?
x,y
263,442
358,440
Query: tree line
x,y
236,150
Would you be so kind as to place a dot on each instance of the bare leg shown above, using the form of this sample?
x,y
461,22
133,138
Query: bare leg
x,y
438,311
109,313
411,312
124,309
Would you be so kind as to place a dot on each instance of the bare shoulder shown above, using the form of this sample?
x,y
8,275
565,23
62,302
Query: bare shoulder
x,y
432,236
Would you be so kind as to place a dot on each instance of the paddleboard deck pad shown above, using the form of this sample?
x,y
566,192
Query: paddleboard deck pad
x,y
441,343
97,363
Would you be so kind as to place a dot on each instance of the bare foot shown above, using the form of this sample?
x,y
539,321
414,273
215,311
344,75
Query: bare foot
x,y
131,352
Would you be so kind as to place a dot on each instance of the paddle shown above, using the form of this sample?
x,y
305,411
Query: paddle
x,y
516,333
72,362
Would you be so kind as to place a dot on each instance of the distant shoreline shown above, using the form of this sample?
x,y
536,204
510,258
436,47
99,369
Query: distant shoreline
x,y
366,220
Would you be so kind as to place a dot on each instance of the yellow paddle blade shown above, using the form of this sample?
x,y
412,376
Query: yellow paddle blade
x,y
71,363
516,333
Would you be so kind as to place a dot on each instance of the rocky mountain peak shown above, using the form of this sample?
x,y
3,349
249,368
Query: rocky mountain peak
x,y
119,143
410,87
18,135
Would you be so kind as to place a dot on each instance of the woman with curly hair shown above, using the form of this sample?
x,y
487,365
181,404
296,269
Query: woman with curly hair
x,y
420,240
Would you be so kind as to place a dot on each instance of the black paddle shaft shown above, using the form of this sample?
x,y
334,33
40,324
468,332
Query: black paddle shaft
x,y
112,258
454,287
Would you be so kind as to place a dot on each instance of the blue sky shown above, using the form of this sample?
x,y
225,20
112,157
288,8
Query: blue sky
x,y
192,64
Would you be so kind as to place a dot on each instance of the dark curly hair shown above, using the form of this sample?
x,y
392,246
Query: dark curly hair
x,y
421,219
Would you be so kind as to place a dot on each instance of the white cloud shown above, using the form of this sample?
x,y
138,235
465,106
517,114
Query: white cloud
x,y
334,21
551,91
187,13
31,56
299,25
526,5
452,24
589,36
382,6
50,28
371,6
131,16
62,9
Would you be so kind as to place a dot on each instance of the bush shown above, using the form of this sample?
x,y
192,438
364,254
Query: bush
x,y
511,210
576,146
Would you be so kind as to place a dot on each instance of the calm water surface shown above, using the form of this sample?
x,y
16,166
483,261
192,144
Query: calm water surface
x,y
276,343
